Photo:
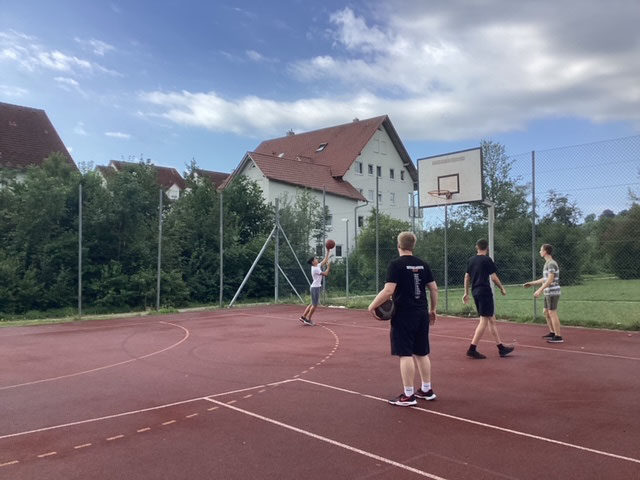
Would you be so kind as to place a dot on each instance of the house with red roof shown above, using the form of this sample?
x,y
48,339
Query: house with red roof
x,y
168,178
216,178
356,166
27,138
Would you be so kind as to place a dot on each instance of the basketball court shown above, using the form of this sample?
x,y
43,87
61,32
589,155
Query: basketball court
x,y
253,393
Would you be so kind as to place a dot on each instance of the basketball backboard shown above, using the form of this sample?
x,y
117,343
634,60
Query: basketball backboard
x,y
450,179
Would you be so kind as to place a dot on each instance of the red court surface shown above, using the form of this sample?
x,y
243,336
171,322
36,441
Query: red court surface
x,y
253,393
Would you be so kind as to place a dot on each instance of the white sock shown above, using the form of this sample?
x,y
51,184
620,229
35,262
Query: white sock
x,y
408,391
426,387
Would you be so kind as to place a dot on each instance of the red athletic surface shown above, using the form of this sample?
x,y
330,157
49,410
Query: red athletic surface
x,y
253,393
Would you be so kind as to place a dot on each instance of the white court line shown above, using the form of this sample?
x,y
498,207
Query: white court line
x,y
557,350
330,441
105,366
134,412
482,424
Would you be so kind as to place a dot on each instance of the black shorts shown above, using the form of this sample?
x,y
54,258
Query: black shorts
x,y
410,334
484,305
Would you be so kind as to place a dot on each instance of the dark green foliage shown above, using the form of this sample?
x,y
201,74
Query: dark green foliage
x,y
621,241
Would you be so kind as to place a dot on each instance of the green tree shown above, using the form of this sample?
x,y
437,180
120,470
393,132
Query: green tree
x,y
621,240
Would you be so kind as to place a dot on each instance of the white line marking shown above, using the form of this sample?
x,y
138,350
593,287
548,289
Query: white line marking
x,y
105,366
117,437
143,430
487,425
212,408
134,412
13,462
230,402
169,422
47,454
330,441
78,447
248,396
192,415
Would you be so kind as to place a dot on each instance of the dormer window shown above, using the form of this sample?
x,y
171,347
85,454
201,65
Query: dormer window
x,y
280,155
321,147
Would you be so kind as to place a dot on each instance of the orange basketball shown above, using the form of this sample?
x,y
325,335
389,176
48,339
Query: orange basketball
x,y
330,244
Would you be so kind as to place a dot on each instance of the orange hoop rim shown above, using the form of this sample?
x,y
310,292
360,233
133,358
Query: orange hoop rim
x,y
440,193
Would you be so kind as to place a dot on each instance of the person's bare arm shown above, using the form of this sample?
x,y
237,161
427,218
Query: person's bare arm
x,y
467,280
498,283
540,281
546,284
433,301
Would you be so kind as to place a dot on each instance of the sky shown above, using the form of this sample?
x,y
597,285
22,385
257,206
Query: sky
x,y
174,81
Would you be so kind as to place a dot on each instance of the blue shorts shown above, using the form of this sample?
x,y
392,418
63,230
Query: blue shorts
x,y
315,295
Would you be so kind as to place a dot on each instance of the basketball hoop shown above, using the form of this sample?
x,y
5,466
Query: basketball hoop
x,y
441,194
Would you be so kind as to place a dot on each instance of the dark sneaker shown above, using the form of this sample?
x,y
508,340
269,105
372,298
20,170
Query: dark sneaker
x,y
403,401
556,339
306,321
504,351
549,335
475,354
425,395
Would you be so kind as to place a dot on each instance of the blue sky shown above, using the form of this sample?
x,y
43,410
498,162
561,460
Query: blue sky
x,y
176,80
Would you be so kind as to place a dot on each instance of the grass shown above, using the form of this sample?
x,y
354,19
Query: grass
x,y
599,302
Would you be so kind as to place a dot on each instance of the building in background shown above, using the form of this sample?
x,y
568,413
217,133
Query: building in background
x,y
344,161
27,138
167,177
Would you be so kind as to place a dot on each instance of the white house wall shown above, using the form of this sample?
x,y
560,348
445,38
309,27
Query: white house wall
x,y
380,152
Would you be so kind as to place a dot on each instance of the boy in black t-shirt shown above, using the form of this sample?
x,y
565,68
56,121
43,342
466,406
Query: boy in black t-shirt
x,y
408,277
480,268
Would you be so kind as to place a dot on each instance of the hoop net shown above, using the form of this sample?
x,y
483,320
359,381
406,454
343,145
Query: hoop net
x,y
440,193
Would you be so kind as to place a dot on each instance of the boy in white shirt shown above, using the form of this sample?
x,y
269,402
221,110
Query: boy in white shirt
x,y
316,285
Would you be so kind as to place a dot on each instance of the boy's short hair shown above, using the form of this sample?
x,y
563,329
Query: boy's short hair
x,y
482,244
310,261
547,248
406,241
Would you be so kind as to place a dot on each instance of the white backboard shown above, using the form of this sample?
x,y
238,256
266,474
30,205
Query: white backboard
x,y
459,172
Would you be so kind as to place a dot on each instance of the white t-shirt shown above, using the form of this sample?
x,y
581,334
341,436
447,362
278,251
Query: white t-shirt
x,y
316,274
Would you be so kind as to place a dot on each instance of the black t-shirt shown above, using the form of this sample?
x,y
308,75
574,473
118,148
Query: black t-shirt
x,y
411,275
480,267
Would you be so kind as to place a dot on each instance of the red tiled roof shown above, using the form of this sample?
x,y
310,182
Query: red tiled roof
x,y
216,178
305,174
343,145
166,176
27,137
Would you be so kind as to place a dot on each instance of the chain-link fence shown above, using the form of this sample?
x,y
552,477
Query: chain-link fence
x,y
582,199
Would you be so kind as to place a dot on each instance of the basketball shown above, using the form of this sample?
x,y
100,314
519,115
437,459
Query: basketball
x,y
385,311
330,244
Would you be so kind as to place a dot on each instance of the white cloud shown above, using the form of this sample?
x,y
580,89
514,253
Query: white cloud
x,y
96,46
31,56
79,129
447,70
12,91
124,136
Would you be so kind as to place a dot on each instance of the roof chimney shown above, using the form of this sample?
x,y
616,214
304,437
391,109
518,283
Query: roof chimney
x,y
290,133
356,119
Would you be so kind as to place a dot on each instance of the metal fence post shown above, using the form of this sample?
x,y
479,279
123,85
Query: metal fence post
x,y
221,246
533,226
159,251
80,250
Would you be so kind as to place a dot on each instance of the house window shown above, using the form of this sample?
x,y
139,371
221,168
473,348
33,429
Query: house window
x,y
383,147
359,167
392,198
360,221
392,174
338,250
319,250
321,147
379,197
376,145
379,171
370,195
361,191
370,169
402,175
329,219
